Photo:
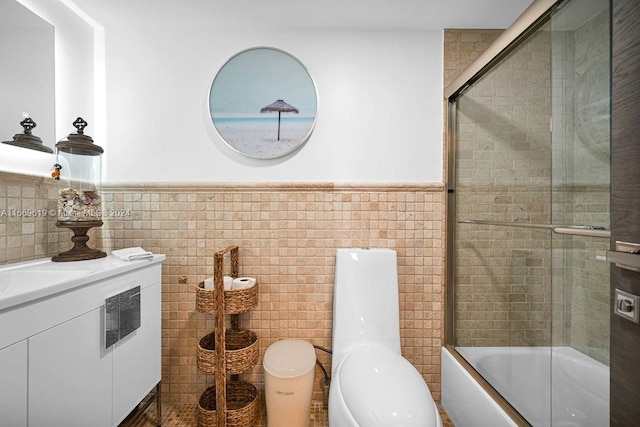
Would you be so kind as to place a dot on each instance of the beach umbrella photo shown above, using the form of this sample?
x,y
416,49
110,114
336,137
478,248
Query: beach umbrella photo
x,y
252,79
281,107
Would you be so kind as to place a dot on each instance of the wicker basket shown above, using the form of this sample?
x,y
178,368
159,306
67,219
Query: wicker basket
x,y
241,351
235,301
242,408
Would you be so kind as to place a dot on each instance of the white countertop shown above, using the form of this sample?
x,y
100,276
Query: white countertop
x,y
28,281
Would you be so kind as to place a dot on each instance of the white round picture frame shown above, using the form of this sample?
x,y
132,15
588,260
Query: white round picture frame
x,y
263,103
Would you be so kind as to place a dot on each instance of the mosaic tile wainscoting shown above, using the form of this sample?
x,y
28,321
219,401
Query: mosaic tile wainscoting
x,y
287,236
28,213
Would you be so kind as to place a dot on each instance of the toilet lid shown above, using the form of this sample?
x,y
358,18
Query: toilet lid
x,y
381,388
289,358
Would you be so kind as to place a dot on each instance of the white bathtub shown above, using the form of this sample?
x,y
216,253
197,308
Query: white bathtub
x,y
530,378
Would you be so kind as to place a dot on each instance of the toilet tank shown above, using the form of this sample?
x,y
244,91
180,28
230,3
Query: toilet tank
x,y
365,301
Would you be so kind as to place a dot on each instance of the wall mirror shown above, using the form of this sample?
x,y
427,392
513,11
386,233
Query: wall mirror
x,y
263,103
27,76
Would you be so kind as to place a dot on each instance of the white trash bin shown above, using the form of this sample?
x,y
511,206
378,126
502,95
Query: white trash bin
x,y
288,379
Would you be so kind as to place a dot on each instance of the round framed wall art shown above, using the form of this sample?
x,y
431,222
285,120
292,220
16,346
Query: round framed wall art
x,y
263,103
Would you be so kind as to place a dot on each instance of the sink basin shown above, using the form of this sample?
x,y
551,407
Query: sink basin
x,y
18,281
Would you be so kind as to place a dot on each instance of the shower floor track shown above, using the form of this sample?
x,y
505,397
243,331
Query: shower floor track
x,y
184,415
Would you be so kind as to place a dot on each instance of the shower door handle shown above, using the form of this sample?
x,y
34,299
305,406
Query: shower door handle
x,y
626,255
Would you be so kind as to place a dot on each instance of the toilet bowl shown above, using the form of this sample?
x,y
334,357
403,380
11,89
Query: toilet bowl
x,y
371,383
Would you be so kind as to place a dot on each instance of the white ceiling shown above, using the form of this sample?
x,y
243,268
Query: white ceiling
x,y
324,14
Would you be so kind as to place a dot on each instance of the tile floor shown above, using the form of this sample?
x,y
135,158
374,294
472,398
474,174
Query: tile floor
x,y
184,415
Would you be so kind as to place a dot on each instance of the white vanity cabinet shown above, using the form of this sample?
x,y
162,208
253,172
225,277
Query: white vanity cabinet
x,y
13,385
54,354
70,375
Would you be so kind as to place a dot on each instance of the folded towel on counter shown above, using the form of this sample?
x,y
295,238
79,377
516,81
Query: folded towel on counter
x,y
131,254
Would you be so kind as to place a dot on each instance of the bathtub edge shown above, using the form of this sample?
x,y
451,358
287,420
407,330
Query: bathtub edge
x,y
464,400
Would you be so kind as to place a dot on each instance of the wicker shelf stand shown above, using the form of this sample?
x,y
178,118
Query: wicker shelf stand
x,y
226,353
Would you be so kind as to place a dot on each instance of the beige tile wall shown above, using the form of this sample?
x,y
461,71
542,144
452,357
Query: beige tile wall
x,y
462,47
287,236
27,219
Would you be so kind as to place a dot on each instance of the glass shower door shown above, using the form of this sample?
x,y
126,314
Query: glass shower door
x,y
502,225
531,161
580,92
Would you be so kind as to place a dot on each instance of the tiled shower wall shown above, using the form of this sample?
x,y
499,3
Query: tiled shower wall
x,y
287,236
462,47
503,172
581,168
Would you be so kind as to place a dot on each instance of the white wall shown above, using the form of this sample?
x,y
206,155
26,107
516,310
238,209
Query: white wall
x,y
379,116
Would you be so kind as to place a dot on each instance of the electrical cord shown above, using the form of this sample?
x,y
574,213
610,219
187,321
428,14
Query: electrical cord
x,y
326,381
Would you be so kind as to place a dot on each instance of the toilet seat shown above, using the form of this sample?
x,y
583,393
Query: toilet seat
x,y
381,388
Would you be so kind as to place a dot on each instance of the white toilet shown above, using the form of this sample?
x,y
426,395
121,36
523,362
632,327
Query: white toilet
x,y
371,383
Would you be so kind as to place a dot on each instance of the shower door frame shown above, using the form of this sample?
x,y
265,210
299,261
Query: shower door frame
x,y
536,15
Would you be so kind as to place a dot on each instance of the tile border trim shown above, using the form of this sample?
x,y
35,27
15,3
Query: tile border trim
x,y
163,187
429,187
